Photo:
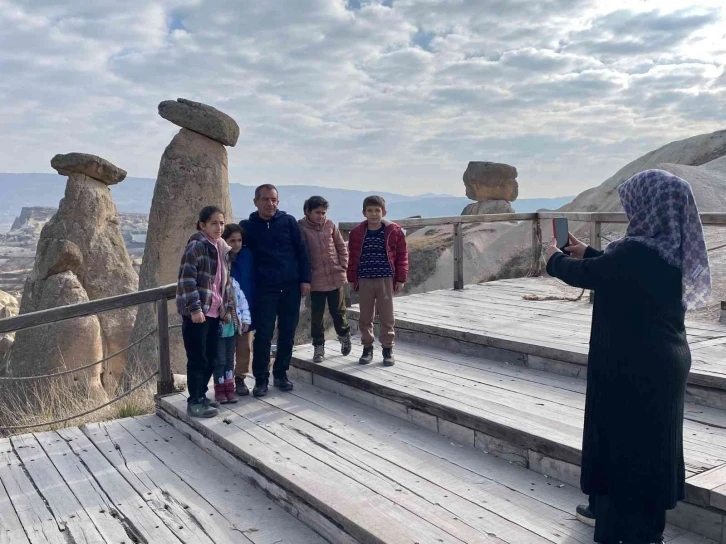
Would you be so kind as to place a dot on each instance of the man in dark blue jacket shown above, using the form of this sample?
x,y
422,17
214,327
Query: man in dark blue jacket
x,y
282,277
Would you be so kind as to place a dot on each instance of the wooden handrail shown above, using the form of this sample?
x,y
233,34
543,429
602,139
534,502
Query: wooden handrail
x,y
62,313
707,218
595,219
160,295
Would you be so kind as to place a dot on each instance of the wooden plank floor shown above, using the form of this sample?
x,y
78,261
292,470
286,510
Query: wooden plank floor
x,y
135,480
386,480
538,410
495,313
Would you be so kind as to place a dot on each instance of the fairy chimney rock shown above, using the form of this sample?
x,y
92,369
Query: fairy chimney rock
x,y
201,118
80,256
192,174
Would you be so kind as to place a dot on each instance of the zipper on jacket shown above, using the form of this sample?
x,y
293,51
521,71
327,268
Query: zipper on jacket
x,y
391,264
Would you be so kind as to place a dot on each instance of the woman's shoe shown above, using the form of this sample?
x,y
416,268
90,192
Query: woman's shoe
x,y
585,515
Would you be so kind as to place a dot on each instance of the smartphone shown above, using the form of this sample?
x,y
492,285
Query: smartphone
x,y
561,231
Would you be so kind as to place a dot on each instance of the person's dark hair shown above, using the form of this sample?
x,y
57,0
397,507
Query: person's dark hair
x,y
315,202
231,228
267,186
374,200
207,213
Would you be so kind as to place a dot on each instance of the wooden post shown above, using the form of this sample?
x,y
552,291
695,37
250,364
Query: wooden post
x,y
596,235
458,257
165,380
536,248
595,243
346,288
723,312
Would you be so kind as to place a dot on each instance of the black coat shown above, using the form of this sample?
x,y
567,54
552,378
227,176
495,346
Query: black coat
x,y
636,376
279,251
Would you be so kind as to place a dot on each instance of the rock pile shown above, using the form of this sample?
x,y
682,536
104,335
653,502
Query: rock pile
x,y
80,257
192,174
492,185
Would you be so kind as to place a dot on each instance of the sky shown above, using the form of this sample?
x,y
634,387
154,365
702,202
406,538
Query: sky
x,y
394,95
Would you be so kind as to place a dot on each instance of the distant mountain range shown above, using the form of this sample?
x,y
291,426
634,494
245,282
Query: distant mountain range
x,y
134,195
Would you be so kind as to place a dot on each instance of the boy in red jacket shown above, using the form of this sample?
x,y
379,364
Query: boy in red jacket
x,y
377,266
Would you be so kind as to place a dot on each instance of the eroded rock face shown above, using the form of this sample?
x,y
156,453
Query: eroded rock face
x,y
80,256
90,165
488,206
67,344
491,181
192,175
202,119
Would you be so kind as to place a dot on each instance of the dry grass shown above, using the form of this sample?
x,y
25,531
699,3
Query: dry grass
x,y
37,402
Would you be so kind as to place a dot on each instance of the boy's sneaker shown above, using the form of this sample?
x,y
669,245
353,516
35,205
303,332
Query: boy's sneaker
x,y
319,353
220,393
283,384
201,410
388,359
585,515
260,388
367,357
241,387
345,345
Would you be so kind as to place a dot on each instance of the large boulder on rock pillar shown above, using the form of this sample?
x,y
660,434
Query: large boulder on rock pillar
x,y
90,165
83,238
202,119
192,174
487,207
64,345
491,181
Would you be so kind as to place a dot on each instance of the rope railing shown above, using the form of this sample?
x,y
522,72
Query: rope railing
x,y
82,414
85,367
80,368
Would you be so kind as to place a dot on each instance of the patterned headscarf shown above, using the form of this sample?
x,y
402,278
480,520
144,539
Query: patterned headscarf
x,y
663,216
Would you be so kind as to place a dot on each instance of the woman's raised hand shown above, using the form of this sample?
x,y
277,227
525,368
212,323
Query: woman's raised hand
x,y
552,249
575,248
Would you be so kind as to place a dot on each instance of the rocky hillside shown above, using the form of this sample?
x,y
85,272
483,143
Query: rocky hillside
x,y
701,160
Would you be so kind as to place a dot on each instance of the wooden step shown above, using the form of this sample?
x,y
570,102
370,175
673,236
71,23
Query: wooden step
x,y
381,479
494,320
131,480
530,418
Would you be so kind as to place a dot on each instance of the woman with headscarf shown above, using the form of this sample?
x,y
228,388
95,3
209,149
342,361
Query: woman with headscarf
x,y
639,359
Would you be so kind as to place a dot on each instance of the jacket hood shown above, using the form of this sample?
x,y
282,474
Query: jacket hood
x,y
199,236
255,216
385,222
306,223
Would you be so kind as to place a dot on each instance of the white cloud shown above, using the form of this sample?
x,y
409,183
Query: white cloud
x,y
366,94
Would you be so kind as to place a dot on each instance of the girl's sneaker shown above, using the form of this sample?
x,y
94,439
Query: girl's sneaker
x,y
220,393
345,345
318,353
201,410
229,391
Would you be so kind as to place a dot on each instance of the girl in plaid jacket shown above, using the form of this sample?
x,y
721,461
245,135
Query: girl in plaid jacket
x,y
205,299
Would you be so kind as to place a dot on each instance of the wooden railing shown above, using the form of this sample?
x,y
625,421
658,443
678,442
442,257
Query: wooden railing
x,y
595,220
158,295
